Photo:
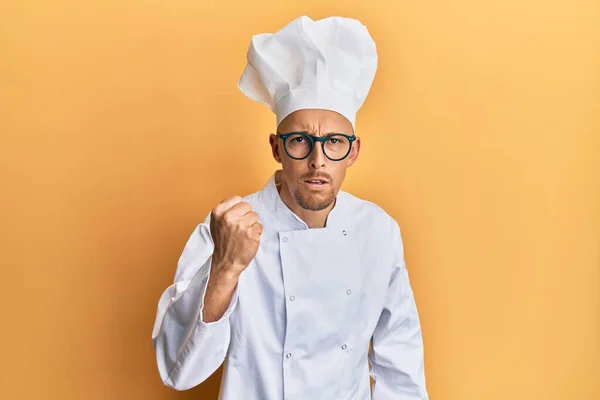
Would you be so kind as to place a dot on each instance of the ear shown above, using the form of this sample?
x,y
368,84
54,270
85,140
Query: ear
x,y
274,142
354,152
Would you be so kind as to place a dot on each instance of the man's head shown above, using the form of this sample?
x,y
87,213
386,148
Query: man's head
x,y
315,76
301,175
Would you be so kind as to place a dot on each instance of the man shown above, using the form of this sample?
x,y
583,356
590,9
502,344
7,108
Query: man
x,y
299,286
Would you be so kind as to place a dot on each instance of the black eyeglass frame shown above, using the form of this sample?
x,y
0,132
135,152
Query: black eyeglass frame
x,y
313,139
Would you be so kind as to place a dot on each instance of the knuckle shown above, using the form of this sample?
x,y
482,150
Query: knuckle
x,y
219,209
227,217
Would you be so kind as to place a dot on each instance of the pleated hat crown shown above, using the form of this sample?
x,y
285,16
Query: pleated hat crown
x,y
326,64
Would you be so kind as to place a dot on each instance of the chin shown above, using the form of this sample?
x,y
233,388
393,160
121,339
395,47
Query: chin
x,y
314,201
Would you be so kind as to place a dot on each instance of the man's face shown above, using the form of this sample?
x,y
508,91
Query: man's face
x,y
300,174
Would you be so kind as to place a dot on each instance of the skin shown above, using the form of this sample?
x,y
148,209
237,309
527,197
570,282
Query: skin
x,y
312,206
234,225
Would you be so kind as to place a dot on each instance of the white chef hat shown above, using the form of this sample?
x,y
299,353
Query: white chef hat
x,y
325,64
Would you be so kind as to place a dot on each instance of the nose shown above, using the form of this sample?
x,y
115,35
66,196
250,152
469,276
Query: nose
x,y
317,157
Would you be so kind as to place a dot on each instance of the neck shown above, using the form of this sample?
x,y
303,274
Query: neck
x,y
313,219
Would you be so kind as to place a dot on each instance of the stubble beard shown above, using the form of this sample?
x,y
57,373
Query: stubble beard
x,y
314,201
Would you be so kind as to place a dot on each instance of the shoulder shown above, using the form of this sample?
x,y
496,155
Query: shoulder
x,y
369,215
253,198
257,202
378,232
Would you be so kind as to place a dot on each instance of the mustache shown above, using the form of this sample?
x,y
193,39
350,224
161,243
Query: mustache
x,y
320,175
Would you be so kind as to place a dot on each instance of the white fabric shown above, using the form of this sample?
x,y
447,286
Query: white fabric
x,y
303,313
327,64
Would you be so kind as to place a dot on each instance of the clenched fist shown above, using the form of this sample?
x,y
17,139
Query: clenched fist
x,y
236,235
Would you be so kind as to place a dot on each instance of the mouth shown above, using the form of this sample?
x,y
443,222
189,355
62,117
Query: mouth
x,y
316,183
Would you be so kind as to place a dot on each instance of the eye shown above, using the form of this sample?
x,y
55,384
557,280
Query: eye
x,y
334,141
298,139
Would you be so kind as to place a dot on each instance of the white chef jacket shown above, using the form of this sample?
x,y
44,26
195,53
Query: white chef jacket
x,y
303,313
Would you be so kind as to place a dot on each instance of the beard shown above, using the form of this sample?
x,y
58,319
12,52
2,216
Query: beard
x,y
312,200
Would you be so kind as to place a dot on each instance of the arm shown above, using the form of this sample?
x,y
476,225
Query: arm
x,y
191,332
396,357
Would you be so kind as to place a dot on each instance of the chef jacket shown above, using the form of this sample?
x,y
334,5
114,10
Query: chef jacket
x,y
316,313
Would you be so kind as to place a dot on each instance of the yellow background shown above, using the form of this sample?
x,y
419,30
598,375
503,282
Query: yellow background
x,y
121,127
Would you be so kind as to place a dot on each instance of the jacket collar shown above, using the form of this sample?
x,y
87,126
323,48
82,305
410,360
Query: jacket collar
x,y
272,200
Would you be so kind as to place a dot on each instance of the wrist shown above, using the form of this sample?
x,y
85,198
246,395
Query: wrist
x,y
223,275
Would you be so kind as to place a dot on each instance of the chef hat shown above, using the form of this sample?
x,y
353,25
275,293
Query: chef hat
x,y
325,64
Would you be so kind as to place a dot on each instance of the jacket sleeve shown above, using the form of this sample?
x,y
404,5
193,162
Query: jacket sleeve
x,y
396,355
188,350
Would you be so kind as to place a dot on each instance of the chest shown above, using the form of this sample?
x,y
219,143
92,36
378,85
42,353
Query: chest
x,y
322,284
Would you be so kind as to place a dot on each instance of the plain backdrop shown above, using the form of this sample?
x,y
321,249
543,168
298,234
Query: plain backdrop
x,y
121,127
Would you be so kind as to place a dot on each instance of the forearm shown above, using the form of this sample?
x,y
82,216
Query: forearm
x,y
219,292
189,350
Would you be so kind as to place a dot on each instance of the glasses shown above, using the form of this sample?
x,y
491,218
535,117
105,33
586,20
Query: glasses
x,y
298,145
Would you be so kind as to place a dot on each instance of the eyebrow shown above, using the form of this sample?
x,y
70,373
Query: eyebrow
x,y
310,134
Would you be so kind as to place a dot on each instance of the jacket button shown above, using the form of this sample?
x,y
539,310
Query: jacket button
x,y
344,347
348,291
345,233
284,239
288,355
292,298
